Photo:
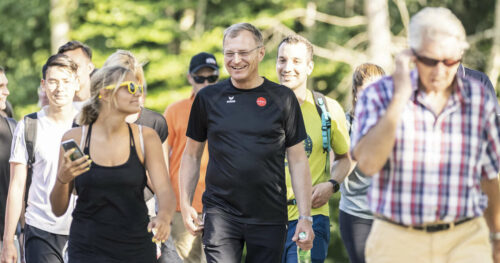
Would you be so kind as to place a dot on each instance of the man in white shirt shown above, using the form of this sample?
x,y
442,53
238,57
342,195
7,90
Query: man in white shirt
x,y
45,234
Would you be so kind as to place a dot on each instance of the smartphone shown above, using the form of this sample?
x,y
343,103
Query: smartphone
x,y
70,144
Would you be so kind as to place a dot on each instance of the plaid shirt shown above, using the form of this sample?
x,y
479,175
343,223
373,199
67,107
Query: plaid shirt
x,y
434,171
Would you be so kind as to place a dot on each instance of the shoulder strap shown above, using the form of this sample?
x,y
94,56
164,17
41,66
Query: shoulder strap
x,y
141,139
30,129
82,139
12,125
326,123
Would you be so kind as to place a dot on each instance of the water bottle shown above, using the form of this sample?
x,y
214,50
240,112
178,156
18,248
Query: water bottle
x,y
303,256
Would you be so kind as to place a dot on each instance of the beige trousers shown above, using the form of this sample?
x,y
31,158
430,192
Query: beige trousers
x,y
467,242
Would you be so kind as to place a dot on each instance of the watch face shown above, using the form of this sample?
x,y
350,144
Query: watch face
x,y
335,184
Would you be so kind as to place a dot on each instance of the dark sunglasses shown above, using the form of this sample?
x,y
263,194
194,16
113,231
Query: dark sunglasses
x,y
433,62
201,79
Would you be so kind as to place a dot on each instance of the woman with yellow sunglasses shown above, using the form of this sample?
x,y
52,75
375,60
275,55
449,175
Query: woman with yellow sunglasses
x,y
110,221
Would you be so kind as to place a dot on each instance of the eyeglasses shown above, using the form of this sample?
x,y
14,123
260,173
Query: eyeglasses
x,y
201,79
245,53
433,62
132,87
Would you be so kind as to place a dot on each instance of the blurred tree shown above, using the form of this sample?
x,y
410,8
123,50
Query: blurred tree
x,y
379,32
165,34
59,22
494,63
24,46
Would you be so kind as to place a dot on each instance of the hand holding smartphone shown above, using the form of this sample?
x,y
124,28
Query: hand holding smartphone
x,y
70,144
77,154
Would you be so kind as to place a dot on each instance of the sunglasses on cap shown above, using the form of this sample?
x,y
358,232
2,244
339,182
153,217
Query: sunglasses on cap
x,y
131,86
201,79
433,62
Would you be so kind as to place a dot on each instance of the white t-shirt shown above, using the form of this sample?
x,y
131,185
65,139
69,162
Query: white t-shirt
x,y
48,142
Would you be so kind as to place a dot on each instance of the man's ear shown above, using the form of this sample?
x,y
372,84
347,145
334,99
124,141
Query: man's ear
x,y
190,79
91,67
42,84
310,67
77,80
262,53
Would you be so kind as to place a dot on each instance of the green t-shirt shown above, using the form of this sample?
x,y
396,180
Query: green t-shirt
x,y
314,147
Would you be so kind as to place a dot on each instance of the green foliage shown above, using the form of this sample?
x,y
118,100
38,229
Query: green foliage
x,y
24,46
166,34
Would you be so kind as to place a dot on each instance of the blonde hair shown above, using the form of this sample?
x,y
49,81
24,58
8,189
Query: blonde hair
x,y
101,78
126,59
361,74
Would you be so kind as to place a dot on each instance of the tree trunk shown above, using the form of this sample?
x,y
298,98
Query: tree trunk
x,y
494,62
349,7
59,23
379,33
201,11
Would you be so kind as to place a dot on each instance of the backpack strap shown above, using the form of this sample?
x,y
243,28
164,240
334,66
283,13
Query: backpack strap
x,y
30,128
12,125
326,120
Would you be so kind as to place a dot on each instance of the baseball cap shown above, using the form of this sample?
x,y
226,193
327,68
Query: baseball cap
x,y
202,60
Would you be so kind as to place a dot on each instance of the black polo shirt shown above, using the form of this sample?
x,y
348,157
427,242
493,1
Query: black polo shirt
x,y
248,132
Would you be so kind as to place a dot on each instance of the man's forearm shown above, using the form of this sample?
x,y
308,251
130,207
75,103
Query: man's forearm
x,y
189,174
372,151
14,202
301,184
492,213
341,168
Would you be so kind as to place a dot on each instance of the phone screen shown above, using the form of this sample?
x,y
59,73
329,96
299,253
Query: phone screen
x,y
70,144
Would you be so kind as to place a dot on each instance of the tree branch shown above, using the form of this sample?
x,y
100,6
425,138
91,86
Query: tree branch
x,y
322,17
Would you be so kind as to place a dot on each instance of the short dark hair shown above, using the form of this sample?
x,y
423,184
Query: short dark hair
x,y
295,39
59,60
73,45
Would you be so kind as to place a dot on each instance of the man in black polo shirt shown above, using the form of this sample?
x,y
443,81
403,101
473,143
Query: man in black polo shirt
x,y
249,123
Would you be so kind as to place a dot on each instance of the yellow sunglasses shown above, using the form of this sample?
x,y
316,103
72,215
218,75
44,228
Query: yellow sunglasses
x,y
132,87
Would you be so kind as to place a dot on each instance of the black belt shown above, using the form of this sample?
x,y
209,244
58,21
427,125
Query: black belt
x,y
291,202
428,228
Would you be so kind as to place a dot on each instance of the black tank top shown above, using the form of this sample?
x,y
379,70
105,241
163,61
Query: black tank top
x,y
110,218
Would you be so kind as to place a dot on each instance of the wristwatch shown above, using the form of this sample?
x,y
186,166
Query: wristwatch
x,y
336,185
308,218
495,236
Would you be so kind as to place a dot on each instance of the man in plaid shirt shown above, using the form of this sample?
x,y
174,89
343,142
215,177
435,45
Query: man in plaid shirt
x,y
431,140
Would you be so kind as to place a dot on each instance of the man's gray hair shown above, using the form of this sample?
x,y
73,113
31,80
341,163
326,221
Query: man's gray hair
x,y
234,30
435,23
2,70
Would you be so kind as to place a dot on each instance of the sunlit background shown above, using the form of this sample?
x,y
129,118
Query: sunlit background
x,y
165,34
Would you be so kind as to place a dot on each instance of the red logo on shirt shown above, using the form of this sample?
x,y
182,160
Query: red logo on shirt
x,y
261,101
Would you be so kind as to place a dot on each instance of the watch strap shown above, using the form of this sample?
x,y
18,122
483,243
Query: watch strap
x,y
308,218
495,236
336,185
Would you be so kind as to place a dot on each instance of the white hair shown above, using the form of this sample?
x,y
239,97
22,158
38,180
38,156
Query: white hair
x,y
435,23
